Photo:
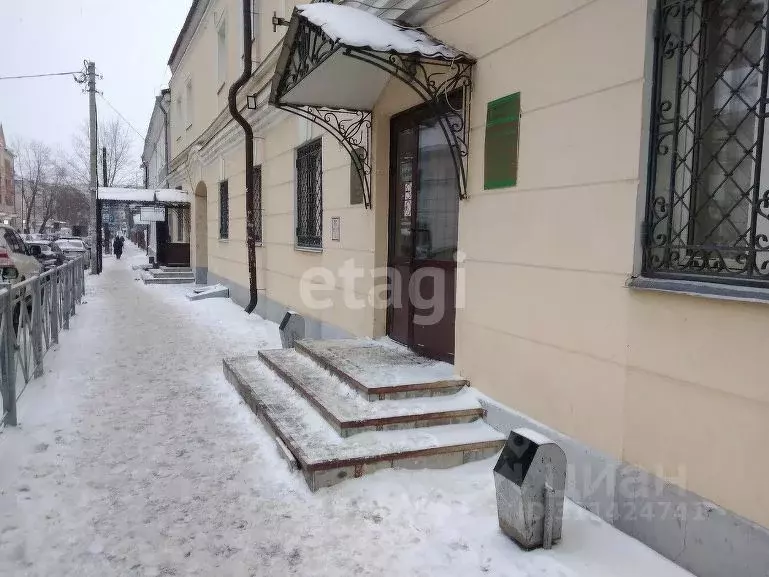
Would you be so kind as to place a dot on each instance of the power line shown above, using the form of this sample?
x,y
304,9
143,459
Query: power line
x,y
120,115
457,17
39,75
413,9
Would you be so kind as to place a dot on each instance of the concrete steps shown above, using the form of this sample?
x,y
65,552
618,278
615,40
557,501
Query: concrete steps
x,y
349,413
381,370
170,274
160,276
332,432
184,269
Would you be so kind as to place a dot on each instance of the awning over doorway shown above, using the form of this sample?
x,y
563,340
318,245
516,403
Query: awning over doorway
x,y
131,197
143,196
335,62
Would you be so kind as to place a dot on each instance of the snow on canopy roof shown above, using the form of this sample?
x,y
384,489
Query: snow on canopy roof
x,y
160,195
354,27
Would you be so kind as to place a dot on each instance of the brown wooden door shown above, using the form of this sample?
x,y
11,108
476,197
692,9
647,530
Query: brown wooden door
x,y
424,207
162,240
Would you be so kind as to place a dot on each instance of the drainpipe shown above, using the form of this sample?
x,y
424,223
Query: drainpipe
x,y
165,127
249,133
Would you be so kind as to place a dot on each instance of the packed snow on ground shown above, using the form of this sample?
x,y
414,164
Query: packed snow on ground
x,y
135,457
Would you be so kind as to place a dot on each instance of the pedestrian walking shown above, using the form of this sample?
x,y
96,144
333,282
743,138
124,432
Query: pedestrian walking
x,y
117,246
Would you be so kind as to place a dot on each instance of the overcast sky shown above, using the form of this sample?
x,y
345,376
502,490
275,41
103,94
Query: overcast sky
x,y
129,40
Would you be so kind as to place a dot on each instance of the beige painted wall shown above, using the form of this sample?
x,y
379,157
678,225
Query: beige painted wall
x,y
199,66
673,384
289,269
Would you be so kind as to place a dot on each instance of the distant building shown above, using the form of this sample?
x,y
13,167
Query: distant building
x,y
168,240
155,153
7,186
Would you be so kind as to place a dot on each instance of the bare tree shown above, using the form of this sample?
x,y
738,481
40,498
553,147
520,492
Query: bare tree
x,y
35,162
58,180
71,205
121,159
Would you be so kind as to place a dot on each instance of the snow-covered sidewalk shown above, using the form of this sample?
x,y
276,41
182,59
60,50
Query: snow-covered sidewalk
x,y
135,457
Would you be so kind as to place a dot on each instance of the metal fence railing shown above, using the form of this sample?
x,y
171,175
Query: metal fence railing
x,y
32,314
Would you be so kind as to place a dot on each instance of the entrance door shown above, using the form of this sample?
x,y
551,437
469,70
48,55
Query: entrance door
x,y
163,238
424,218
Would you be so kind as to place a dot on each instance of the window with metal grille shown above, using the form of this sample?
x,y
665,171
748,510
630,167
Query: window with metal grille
x,y
356,186
224,210
256,8
258,203
309,195
501,149
708,204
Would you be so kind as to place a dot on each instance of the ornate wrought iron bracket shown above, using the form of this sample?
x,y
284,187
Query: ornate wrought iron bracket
x,y
437,81
352,129
277,21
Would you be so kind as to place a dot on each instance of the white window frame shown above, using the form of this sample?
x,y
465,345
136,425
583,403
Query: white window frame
x,y
221,54
180,116
188,105
256,13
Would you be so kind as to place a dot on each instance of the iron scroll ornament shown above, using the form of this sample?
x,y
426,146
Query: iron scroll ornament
x,y
351,128
707,204
435,80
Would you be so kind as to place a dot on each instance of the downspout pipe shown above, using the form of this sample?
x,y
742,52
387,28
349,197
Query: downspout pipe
x,y
167,147
249,133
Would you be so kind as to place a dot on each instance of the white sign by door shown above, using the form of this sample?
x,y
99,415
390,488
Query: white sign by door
x,y
152,213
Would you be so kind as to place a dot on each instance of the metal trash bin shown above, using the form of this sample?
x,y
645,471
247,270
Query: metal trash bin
x,y
291,329
530,479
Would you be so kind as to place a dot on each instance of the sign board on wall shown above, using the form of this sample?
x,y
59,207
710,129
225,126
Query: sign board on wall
x,y
152,213
335,228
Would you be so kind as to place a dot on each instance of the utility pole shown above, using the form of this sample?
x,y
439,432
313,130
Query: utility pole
x,y
94,181
24,225
104,229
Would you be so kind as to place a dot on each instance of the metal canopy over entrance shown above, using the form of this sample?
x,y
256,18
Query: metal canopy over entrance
x,y
134,197
336,61
168,197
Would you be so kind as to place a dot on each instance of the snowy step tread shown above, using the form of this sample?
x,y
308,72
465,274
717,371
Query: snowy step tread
x,y
317,445
348,411
382,367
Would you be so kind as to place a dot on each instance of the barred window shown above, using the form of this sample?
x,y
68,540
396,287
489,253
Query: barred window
x,y
356,186
224,210
708,203
258,203
309,195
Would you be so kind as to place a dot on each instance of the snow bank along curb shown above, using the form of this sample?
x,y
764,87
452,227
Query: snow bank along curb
x,y
208,292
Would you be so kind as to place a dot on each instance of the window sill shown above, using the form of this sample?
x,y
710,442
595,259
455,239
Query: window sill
x,y
308,249
221,87
224,240
708,290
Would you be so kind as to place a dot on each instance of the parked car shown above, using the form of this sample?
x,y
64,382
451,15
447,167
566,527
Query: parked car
x,y
49,254
16,264
31,237
73,248
86,242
